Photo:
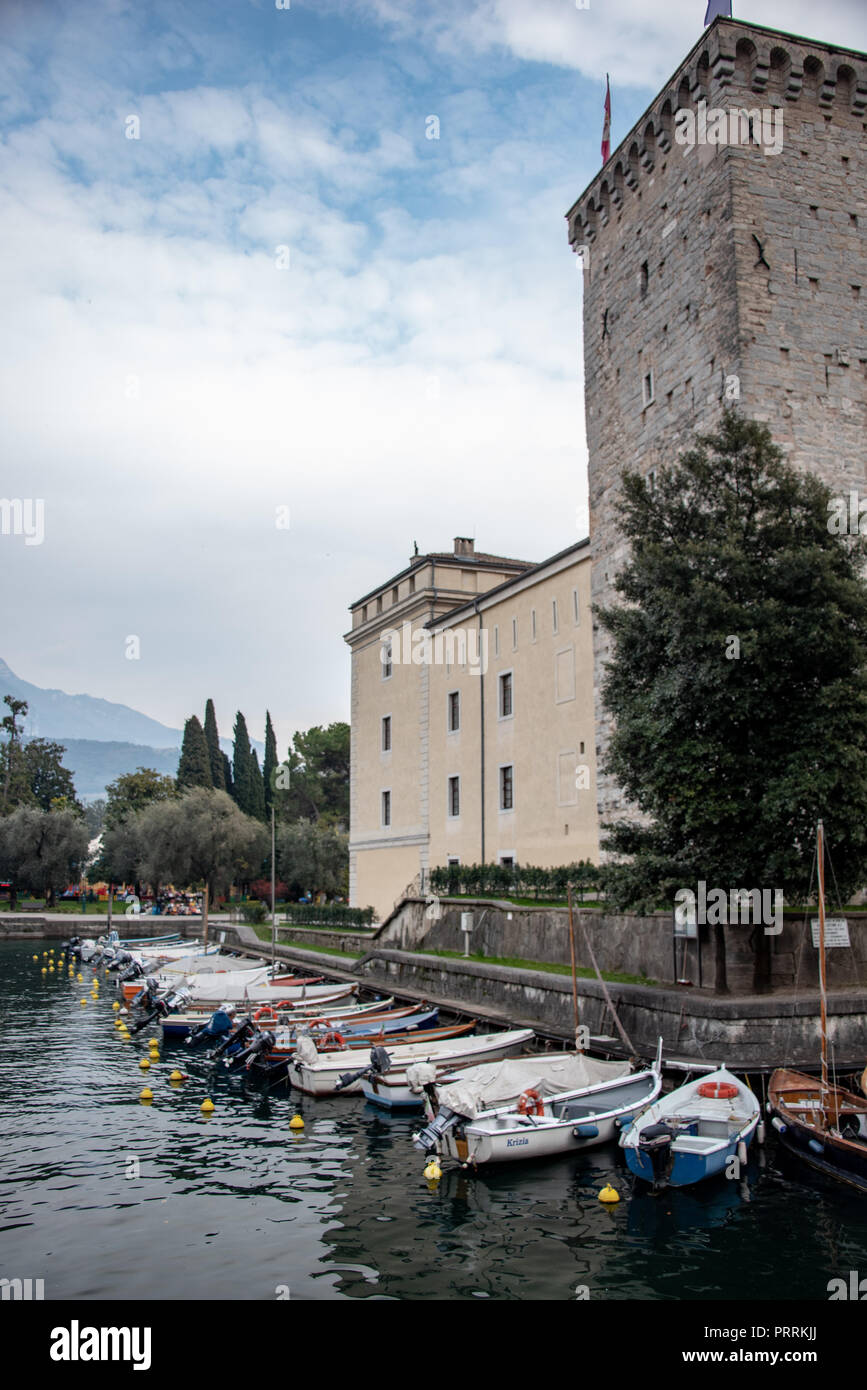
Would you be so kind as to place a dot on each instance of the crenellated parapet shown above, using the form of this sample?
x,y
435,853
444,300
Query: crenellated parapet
x,y
733,63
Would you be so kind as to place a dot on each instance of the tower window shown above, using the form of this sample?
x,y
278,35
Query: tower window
x,y
507,788
554,622
532,624
386,733
454,796
385,658
454,718
386,808
506,703
643,278
647,389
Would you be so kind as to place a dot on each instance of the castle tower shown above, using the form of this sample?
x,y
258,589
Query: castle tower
x,y
729,269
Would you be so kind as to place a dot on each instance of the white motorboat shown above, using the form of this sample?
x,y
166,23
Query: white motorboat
x,y
321,1074
534,1107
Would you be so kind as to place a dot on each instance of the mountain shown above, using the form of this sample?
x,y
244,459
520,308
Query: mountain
x,y
94,764
54,714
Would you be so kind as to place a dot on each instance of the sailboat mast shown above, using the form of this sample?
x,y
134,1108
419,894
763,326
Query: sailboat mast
x,y
820,855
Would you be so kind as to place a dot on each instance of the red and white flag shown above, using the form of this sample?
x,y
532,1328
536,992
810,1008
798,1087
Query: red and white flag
x,y
606,128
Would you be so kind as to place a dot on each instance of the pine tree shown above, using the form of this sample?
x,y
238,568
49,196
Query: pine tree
x,y
194,768
270,762
241,766
215,753
257,788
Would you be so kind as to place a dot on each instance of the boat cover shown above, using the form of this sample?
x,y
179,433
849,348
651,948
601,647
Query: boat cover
x,y
497,1083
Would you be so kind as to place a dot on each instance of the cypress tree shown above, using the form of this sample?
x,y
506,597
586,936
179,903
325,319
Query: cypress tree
x,y
227,775
215,753
194,768
241,766
270,762
257,788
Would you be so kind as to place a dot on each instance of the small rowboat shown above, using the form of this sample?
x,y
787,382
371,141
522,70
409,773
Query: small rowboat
x,y
823,1125
179,1025
325,1074
267,1054
556,1104
255,986
693,1132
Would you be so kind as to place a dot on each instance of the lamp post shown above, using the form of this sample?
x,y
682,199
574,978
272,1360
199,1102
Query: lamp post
x,y
273,896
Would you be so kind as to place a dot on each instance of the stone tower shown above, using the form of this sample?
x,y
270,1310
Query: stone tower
x,y
731,267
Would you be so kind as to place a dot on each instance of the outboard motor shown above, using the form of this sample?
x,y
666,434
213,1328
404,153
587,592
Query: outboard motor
x,y
261,1045
169,1004
131,971
121,959
379,1064
427,1140
655,1141
236,1039
147,995
221,1022
72,947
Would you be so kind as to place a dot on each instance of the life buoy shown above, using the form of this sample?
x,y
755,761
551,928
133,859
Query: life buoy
x,y
333,1040
265,1010
282,1004
717,1090
530,1103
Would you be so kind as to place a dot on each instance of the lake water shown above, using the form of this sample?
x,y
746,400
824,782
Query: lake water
x,y
103,1197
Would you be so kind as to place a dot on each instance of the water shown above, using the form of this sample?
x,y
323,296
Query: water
x,y
238,1207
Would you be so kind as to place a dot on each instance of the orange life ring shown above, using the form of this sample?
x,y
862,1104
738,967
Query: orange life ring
x,y
530,1103
333,1040
718,1090
265,1009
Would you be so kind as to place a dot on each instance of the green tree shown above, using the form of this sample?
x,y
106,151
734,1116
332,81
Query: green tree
x,y
257,788
194,768
200,838
270,762
94,814
319,776
242,767
16,788
132,791
48,779
312,858
127,796
738,681
42,850
227,776
216,756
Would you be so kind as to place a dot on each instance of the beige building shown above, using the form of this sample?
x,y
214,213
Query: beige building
x,y
472,718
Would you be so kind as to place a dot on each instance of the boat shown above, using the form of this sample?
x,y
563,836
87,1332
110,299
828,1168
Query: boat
x,y
325,1074
534,1107
183,1022
819,1122
257,986
274,1053
693,1132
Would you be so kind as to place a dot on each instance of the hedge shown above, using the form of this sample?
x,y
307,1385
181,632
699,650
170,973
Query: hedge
x,y
513,880
328,915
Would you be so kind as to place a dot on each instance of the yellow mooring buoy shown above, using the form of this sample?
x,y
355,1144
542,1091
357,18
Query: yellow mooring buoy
x,y
433,1171
609,1194
84,1003
176,1076
144,1063
146,1095
207,1105
296,1122
115,1007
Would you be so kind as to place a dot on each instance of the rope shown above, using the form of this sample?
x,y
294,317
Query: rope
x,y
621,1030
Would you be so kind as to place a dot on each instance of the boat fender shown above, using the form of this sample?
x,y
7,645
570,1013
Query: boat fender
x,y
778,1125
742,1152
585,1132
816,1147
761,1133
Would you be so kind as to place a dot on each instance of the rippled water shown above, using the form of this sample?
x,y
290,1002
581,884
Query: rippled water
x,y
237,1206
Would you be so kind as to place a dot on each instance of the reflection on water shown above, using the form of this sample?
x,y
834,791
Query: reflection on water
x,y
104,1197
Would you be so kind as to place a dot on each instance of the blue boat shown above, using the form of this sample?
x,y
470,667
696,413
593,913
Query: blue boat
x,y
694,1132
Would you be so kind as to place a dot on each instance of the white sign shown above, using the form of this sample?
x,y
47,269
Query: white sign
x,y
685,921
836,931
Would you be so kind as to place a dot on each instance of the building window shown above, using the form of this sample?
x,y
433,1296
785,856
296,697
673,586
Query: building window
x,y
507,788
454,718
506,702
576,609
514,634
379,604
385,658
643,278
394,594
453,861
507,861
532,624
386,733
554,615
386,808
647,389
454,796
496,640
412,583
364,614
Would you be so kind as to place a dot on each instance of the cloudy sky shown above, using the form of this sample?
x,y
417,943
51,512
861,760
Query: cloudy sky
x,y
283,294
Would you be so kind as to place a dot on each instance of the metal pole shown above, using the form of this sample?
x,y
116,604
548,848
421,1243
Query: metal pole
x,y
574,975
820,851
110,897
205,917
273,895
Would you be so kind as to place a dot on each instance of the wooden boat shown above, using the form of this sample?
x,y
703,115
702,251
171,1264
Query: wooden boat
x,y
691,1133
534,1107
324,1074
266,1053
303,1012
816,1120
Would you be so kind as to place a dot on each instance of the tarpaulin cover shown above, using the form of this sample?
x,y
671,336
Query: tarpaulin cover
x,y
498,1083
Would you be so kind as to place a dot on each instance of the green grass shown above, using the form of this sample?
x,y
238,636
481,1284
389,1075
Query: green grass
x,y
616,977
524,902
264,934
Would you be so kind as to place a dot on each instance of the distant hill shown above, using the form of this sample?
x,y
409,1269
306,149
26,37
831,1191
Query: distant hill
x,y
94,764
54,714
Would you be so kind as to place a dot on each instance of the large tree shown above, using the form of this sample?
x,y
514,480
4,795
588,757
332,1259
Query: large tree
x,y
319,776
738,681
128,795
15,784
216,756
270,763
49,780
194,767
42,850
242,767
132,791
312,857
257,788
200,838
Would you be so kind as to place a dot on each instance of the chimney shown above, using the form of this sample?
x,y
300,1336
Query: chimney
x,y
464,545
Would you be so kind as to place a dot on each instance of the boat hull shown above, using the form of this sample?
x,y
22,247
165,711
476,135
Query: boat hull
x,y
793,1100
322,1080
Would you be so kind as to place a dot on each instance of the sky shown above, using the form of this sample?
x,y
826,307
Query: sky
x,y
286,288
